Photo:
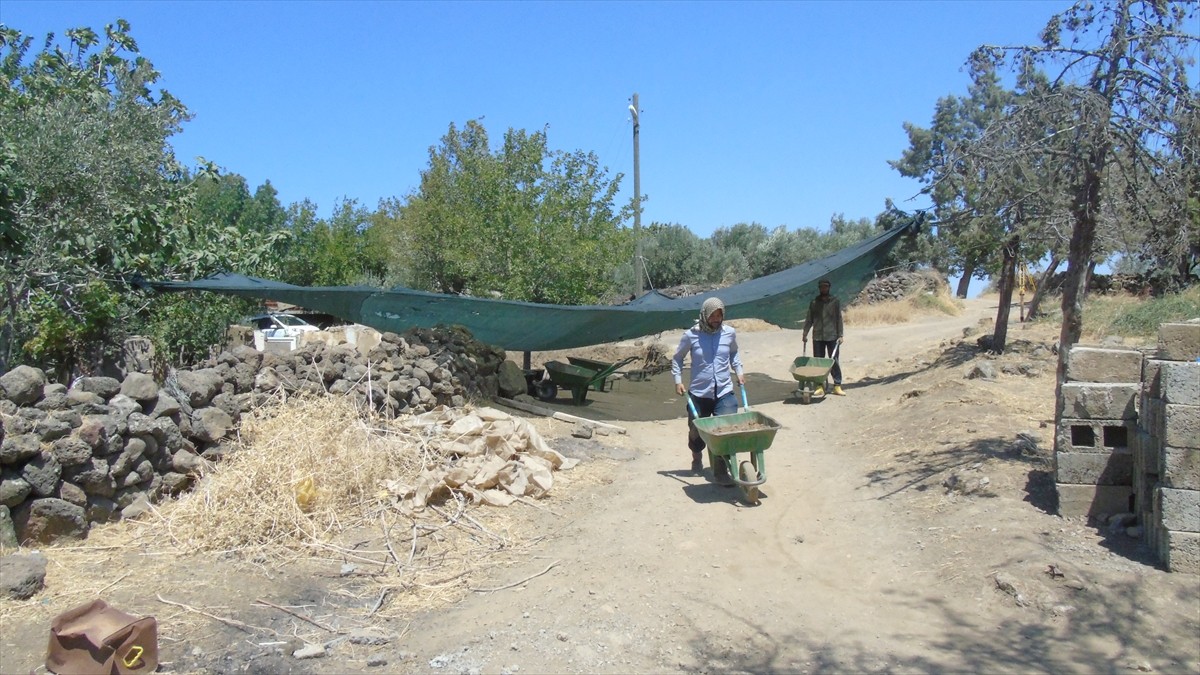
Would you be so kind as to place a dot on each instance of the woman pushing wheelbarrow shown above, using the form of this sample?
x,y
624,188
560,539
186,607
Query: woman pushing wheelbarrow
x,y
713,349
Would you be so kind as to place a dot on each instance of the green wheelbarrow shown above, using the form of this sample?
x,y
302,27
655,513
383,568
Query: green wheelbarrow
x,y
727,436
603,369
811,374
578,379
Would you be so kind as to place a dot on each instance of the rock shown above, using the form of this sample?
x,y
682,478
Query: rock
x,y
22,385
309,652
8,531
13,489
511,380
19,447
199,386
22,575
210,424
48,519
104,387
982,370
71,451
140,387
43,473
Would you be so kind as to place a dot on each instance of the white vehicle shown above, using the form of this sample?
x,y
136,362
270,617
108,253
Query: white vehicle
x,y
276,332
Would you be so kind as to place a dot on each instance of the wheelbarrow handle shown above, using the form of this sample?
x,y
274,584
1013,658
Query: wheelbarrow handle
x,y
691,406
745,403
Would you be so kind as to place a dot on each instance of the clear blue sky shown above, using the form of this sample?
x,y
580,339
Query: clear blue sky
x,y
779,113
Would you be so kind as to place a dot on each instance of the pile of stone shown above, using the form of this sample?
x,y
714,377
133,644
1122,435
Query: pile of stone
x,y
102,449
899,285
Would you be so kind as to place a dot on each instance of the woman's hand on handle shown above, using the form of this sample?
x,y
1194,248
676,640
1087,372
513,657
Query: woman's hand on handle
x,y
679,389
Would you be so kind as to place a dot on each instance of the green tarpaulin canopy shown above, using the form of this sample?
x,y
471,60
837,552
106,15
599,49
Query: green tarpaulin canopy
x,y
781,299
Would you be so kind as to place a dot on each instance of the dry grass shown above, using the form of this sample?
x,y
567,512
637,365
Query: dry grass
x,y
903,310
313,448
248,520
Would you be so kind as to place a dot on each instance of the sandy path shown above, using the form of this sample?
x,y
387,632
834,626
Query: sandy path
x,y
665,570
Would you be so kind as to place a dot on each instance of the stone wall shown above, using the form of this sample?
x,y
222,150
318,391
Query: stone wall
x,y
1127,446
102,449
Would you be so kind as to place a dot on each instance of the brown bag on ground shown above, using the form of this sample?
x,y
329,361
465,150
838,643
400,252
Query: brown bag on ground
x,y
96,639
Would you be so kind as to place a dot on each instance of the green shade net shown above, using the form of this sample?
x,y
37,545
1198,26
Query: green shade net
x,y
781,299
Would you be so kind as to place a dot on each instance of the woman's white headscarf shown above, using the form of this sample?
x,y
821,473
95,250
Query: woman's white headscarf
x,y
706,310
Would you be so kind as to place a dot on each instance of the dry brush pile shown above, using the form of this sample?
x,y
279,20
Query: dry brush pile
x,y
101,449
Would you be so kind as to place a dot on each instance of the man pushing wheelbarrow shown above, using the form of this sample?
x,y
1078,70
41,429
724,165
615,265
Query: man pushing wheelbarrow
x,y
825,322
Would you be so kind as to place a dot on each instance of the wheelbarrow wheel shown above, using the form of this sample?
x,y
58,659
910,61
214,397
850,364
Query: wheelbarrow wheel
x,y
749,474
806,397
547,391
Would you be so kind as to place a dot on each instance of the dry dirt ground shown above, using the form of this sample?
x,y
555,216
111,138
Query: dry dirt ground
x,y
906,527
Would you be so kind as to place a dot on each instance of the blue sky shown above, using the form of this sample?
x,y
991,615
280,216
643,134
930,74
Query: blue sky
x,y
779,113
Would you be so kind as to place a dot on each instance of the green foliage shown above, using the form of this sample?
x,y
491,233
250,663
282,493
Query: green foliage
x,y
91,195
184,327
674,255
526,222
59,334
337,252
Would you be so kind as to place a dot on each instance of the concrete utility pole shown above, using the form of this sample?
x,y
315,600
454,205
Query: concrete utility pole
x,y
637,205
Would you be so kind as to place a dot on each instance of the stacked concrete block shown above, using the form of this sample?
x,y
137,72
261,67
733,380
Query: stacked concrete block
x,y
1096,427
1167,449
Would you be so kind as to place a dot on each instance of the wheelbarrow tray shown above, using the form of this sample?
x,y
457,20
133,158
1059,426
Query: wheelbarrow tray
x,y
601,370
575,378
811,368
749,431
567,375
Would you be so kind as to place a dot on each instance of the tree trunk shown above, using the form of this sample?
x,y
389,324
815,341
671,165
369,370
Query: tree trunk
x,y
965,282
1040,291
1079,257
1008,275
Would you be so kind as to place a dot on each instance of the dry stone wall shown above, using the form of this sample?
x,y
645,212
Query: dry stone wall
x,y
102,449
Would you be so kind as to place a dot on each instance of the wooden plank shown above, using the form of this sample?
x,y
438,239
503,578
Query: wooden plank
x,y
546,412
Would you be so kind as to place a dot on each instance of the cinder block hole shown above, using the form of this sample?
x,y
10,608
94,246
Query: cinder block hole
x,y
1082,436
1116,437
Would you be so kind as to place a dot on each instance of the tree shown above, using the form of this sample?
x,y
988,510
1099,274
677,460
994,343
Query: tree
x,y
674,255
966,227
336,252
526,222
90,196
1118,90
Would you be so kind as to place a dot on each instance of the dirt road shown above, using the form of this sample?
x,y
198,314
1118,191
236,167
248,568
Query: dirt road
x,y
858,558
906,527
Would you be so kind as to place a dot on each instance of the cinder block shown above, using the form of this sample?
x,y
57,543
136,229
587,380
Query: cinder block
x,y
1181,426
1180,509
1093,500
1099,364
1090,468
1151,416
1180,468
1100,401
1180,551
1179,382
1179,341
1150,379
1076,435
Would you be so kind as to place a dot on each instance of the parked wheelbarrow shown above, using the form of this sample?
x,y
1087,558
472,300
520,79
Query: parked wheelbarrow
x,y
811,373
604,369
576,378
726,436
